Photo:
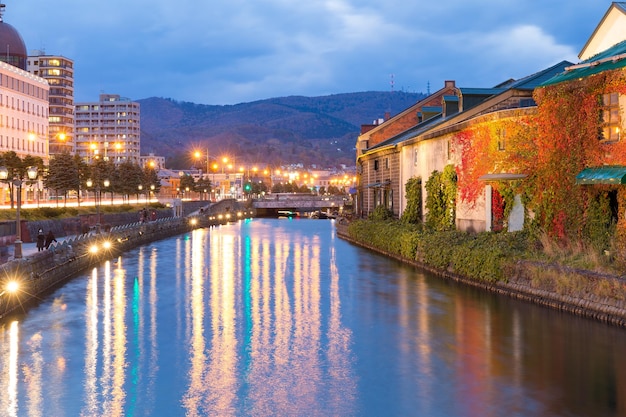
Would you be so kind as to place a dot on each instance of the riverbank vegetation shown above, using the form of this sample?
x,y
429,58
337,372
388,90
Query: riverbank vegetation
x,y
61,212
487,256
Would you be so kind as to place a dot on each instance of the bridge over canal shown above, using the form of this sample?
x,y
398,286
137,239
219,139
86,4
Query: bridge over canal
x,y
271,205
304,204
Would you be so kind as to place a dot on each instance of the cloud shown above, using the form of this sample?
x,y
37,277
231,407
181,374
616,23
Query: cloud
x,y
225,52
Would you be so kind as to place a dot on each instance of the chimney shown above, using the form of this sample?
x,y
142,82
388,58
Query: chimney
x,y
387,115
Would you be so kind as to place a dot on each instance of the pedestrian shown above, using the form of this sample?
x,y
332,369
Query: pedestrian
x,y
40,240
49,239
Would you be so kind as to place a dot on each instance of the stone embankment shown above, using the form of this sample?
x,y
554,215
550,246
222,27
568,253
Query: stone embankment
x,y
532,283
37,275
44,271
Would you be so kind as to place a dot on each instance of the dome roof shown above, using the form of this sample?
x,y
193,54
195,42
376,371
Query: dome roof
x,y
12,46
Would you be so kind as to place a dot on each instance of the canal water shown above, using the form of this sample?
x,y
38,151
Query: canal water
x,y
278,317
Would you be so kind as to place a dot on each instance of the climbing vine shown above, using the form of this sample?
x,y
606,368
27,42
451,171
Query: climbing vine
x,y
568,124
494,145
551,146
497,211
441,191
413,211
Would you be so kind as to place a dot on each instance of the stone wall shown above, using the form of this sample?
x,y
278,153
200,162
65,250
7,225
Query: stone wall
x,y
44,271
520,286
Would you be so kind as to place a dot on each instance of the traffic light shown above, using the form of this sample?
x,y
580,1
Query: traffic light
x,y
247,187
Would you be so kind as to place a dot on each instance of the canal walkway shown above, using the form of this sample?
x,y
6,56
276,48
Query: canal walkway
x,y
30,248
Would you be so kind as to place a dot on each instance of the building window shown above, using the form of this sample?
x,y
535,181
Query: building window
x,y
611,126
376,165
501,139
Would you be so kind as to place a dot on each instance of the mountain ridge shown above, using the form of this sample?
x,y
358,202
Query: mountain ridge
x,y
320,131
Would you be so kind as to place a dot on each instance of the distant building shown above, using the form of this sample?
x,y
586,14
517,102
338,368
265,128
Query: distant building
x,y
152,161
59,72
108,129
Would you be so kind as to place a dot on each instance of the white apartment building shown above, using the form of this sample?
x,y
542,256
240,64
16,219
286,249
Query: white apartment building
x,y
108,129
59,72
152,161
23,99
23,113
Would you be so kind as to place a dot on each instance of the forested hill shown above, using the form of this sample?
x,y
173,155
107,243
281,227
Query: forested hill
x,y
309,130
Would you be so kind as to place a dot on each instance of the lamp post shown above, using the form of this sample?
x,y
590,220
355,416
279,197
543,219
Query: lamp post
x,y
198,154
106,184
96,196
17,180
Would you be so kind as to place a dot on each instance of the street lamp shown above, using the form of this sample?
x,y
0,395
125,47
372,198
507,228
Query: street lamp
x,y
198,154
10,287
106,184
17,179
96,196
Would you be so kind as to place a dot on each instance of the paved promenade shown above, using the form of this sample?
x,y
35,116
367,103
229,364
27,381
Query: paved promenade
x,y
31,248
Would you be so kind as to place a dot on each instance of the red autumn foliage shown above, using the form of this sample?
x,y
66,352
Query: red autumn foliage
x,y
551,146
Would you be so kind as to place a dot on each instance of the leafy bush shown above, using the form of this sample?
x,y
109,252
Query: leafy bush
x,y
413,211
441,190
599,227
381,213
47,213
482,256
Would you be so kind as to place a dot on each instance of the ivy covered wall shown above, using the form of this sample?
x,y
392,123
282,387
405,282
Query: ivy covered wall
x,y
551,147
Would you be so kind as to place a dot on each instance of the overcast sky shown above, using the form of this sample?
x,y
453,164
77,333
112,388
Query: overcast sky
x,y
228,52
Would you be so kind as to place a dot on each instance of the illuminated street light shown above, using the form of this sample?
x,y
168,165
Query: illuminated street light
x,y
97,199
17,181
11,287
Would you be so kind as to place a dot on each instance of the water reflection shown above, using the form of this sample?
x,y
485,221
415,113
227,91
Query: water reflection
x,y
281,318
91,347
12,406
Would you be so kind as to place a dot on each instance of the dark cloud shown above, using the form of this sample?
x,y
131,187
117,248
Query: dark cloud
x,y
224,52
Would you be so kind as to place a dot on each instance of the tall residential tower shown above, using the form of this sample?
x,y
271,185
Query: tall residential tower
x,y
59,72
108,129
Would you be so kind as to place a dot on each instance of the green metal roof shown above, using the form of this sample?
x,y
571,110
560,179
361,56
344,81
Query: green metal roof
x,y
607,60
602,175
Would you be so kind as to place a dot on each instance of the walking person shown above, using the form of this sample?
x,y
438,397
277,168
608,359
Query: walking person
x,y
49,239
40,240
